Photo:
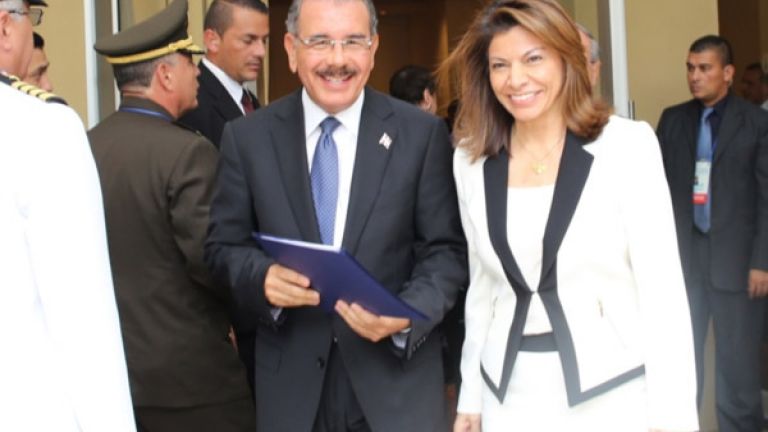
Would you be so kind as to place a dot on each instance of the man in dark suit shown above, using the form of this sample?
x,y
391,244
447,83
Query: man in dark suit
x,y
715,150
157,180
235,36
340,164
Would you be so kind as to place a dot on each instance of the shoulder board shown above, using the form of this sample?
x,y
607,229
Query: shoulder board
x,y
30,89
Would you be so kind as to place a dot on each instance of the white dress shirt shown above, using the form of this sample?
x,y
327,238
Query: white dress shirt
x,y
345,137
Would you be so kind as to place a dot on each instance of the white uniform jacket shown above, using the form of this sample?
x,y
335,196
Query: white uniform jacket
x,y
611,279
62,367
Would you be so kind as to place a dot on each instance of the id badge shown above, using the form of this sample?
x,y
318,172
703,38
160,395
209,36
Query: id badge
x,y
701,182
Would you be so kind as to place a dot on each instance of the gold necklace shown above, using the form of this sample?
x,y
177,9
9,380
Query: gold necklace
x,y
539,165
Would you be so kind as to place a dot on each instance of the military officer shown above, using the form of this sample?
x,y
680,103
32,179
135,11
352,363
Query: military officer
x,y
156,178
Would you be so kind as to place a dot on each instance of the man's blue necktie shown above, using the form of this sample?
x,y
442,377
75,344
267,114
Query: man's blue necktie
x,y
704,153
325,179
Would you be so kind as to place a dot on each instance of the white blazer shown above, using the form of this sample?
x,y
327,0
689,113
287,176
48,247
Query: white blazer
x,y
62,368
611,276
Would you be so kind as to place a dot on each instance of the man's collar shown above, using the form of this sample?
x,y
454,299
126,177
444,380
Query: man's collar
x,y
314,115
719,106
232,87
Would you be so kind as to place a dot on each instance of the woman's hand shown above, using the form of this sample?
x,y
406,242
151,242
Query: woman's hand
x,y
467,423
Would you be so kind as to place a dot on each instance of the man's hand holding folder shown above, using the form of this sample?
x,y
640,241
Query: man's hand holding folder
x,y
308,274
370,326
286,288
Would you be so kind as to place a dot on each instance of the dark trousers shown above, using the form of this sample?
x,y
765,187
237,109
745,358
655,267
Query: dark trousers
x,y
235,416
737,322
245,349
339,410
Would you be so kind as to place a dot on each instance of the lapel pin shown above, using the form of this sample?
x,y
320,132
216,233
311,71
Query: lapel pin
x,y
385,140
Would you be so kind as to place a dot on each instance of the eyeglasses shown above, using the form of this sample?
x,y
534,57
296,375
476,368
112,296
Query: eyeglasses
x,y
35,15
324,44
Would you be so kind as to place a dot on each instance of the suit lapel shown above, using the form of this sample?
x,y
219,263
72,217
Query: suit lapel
x,y
289,141
729,127
256,103
694,113
572,175
371,159
495,172
223,102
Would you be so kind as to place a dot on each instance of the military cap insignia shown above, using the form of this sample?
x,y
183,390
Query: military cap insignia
x,y
30,89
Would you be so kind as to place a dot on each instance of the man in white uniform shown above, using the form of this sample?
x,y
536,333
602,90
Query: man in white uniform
x,y
62,368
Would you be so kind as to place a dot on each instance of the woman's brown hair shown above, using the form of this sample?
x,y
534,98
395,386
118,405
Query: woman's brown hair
x,y
483,126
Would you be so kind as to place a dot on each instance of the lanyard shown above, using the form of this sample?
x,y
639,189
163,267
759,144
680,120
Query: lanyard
x,y
146,112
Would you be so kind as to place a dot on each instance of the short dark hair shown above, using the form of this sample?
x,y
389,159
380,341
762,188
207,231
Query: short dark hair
x,y
219,15
39,42
716,43
139,74
409,83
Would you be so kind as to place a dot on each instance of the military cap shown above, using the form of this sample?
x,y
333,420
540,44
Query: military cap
x,y
161,34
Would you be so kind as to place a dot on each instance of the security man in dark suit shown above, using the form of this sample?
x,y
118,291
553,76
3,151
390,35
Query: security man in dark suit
x,y
715,150
235,36
156,178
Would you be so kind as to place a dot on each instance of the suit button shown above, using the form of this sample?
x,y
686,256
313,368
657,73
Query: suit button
x,y
320,362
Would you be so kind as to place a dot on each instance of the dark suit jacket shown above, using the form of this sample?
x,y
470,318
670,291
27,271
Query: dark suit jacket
x,y
215,107
739,189
157,178
402,226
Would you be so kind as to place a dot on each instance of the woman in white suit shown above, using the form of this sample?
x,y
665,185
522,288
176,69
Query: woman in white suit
x,y
576,314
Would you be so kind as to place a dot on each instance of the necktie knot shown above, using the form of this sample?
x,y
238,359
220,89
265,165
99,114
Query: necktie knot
x,y
328,125
706,113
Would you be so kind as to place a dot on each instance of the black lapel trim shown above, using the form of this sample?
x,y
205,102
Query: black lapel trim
x,y
575,165
289,141
371,160
572,175
495,172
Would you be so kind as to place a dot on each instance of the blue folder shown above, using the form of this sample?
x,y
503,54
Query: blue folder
x,y
335,274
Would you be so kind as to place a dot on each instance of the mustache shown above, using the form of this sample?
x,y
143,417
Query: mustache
x,y
337,72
